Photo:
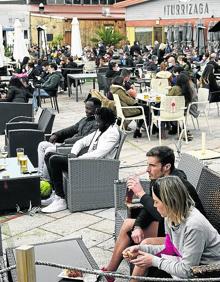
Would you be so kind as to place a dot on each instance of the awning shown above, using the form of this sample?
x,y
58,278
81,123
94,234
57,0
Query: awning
x,y
215,28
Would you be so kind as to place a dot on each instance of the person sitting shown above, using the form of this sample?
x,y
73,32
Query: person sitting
x,y
17,92
208,80
70,64
49,87
117,87
190,239
69,135
129,87
149,222
113,70
182,88
101,144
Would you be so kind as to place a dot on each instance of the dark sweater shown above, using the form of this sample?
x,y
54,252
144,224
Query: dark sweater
x,y
75,132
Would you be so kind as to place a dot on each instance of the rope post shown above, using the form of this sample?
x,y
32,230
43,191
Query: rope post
x,y
25,264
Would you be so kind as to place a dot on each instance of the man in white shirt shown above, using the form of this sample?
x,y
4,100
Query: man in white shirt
x,y
101,144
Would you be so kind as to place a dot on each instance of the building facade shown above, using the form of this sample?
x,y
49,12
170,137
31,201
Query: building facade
x,y
149,20
58,18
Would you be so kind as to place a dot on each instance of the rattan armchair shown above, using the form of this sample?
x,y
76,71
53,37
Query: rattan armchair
x,y
89,183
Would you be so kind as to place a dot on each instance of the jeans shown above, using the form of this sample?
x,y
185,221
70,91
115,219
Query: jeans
x,y
38,92
56,164
43,148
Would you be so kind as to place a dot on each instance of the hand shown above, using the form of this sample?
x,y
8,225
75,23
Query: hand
x,y
137,235
53,138
133,183
143,260
130,253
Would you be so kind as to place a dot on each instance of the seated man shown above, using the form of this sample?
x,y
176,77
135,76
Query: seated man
x,y
102,144
149,222
129,87
50,86
69,135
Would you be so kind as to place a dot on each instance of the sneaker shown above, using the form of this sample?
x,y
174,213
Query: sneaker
x,y
108,278
49,200
58,204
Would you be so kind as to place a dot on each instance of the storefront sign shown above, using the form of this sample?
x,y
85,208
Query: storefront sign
x,y
197,9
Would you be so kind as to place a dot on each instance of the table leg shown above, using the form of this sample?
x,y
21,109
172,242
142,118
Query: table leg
x,y
39,99
69,86
93,83
76,84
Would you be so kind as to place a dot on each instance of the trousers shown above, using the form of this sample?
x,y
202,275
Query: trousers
x,y
44,147
56,163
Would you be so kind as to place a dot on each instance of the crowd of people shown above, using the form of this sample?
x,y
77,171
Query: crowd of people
x,y
171,233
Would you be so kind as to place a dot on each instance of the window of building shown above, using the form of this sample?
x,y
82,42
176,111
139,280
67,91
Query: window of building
x,y
86,1
76,1
143,35
25,34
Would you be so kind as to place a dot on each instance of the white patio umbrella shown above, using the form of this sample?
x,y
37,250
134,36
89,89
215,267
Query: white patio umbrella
x,y
20,49
76,45
2,49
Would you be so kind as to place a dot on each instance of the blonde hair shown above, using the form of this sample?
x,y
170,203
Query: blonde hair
x,y
174,195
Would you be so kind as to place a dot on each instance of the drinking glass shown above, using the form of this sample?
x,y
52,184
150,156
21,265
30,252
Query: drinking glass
x,y
4,153
20,153
23,163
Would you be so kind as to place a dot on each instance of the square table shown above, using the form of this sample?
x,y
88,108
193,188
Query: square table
x,y
76,77
17,188
71,252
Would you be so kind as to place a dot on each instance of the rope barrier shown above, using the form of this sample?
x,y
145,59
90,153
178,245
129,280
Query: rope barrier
x,y
102,274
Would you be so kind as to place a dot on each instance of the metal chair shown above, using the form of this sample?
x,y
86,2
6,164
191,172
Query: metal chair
x,y
171,108
120,114
203,102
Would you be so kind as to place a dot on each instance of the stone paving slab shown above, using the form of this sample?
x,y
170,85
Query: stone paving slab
x,y
90,237
24,224
71,223
33,236
105,225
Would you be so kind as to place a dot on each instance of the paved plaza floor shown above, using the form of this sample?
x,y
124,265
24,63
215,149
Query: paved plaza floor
x,y
96,227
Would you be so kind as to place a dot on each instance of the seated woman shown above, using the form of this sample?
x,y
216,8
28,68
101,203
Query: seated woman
x,y
17,92
190,238
118,88
208,80
182,88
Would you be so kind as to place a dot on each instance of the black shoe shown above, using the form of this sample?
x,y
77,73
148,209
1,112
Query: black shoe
x,y
173,131
137,133
155,129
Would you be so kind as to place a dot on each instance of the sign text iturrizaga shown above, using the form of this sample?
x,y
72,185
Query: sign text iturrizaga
x,y
186,9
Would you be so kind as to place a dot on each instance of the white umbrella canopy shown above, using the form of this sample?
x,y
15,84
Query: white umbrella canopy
x,y
76,45
2,49
20,49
